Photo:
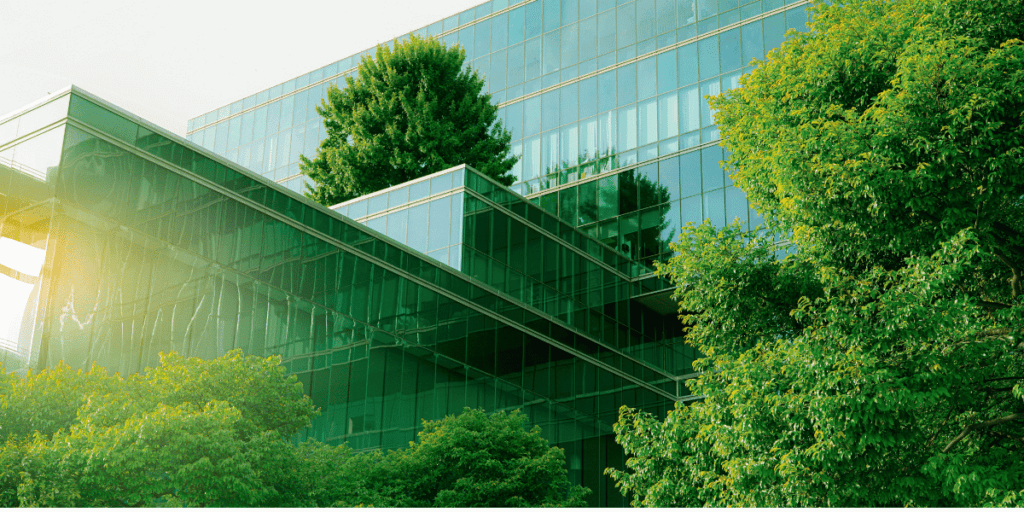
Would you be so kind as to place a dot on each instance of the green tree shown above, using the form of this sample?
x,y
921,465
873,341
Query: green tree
x,y
189,432
470,460
880,362
409,112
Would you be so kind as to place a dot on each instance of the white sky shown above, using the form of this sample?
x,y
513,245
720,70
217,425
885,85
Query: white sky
x,y
170,61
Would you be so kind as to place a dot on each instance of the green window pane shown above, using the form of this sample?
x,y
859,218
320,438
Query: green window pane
x,y
626,85
608,197
103,119
588,202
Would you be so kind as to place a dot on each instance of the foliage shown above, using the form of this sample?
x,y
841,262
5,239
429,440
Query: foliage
x,y
880,363
411,111
188,433
470,460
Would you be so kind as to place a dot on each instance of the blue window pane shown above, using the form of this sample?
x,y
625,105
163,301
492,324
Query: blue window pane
x,y
531,158
730,50
689,109
287,110
668,176
549,152
666,18
516,25
648,122
709,88
482,32
497,76
797,19
668,115
588,39
626,84
667,72
532,55
606,32
440,183
569,45
379,224
588,139
533,19
625,25
376,204
714,207
645,14
570,145
707,8
499,32
588,97
711,168
397,225
419,190
552,14
774,30
588,8
606,124
692,210
532,117
516,65
708,54
440,220
418,225
514,119
567,102
736,205
273,117
552,54
570,11
753,45
689,174
458,201
627,127
687,64
647,78
606,91
467,40
549,104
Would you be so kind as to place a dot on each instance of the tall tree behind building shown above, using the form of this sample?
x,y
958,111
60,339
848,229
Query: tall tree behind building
x,y
410,111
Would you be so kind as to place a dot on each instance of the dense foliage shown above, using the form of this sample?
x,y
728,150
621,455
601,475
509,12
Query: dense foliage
x,y
470,460
218,433
189,432
880,362
410,111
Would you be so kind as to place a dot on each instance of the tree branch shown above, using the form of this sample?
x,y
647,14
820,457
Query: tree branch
x,y
1015,280
985,424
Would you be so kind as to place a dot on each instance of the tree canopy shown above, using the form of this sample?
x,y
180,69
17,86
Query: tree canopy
x,y
878,361
190,432
410,111
474,459
219,432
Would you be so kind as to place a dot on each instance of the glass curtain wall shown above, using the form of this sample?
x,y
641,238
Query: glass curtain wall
x,y
122,241
588,88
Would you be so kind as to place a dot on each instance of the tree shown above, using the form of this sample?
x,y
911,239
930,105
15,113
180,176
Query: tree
x,y
411,111
879,363
188,433
470,460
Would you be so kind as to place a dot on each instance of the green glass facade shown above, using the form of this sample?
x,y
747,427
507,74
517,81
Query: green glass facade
x,y
598,94
121,240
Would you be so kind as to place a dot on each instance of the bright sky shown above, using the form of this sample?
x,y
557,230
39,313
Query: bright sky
x,y
170,61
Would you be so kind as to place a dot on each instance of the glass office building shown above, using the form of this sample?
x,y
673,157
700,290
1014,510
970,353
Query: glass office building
x,y
119,240
598,95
